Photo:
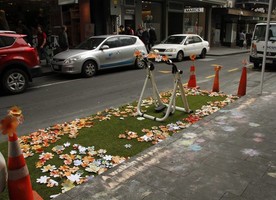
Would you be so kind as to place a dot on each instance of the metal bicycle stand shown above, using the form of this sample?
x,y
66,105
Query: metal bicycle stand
x,y
171,106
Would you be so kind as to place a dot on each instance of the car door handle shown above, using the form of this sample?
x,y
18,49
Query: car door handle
x,y
118,52
3,55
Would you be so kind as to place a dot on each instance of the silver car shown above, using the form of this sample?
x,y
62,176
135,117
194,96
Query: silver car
x,y
99,52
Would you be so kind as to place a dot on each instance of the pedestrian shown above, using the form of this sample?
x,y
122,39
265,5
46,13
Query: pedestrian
x,y
139,31
63,39
129,31
242,40
152,37
122,30
145,38
41,46
3,21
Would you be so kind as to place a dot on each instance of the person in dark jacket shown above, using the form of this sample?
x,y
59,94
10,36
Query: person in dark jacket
x,y
152,37
63,39
3,21
145,38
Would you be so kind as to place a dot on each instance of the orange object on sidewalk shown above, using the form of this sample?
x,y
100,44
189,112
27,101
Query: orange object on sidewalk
x,y
192,80
19,182
242,85
216,79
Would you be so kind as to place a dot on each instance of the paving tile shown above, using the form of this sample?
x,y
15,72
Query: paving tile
x,y
260,191
230,196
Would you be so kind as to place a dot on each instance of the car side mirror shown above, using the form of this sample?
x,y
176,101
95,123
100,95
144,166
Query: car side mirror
x,y
104,47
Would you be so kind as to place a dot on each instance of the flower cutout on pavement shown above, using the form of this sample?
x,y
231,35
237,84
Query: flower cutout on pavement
x,y
43,179
67,185
192,57
128,146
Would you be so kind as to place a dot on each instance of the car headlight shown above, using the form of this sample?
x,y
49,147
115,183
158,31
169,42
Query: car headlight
x,y
170,50
72,60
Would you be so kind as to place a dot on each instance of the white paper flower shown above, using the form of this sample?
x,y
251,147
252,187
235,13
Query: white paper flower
x,y
74,177
42,179
107,157
92,168
82,150
67,144
128,146
77,162
73,152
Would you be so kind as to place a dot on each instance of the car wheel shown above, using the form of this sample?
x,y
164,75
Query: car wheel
x,y
15,81
139,64
89,69
203,53
256,65
180,56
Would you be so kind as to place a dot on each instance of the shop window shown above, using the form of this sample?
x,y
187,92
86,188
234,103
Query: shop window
x,y
176,6
130,2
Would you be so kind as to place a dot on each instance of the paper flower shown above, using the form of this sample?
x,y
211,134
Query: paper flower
x,y
82,150
74,177
73,152
67,144
67,185
192,57
48,168
42,179
55,173
107,157
52,183
92,168
128,146
46,156
77,162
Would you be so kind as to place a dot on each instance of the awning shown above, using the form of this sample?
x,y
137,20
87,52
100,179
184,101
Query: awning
x,y
64,2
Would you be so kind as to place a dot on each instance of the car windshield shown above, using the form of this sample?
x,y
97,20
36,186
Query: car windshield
x,y
174,39
260,30
91,43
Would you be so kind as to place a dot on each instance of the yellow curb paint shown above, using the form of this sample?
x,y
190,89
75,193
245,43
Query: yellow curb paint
x,y
235,69
165,72
210,76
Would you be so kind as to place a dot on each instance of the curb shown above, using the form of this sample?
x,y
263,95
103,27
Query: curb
x,y
226,54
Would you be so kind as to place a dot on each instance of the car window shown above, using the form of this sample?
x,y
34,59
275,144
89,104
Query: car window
x,y
196,39
89,44
190,40
125,41
6,41
112,42
174,39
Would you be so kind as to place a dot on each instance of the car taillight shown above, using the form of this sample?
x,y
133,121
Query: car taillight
x,y
254,49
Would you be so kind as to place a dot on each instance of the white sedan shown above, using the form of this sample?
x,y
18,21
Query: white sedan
x,y
179,46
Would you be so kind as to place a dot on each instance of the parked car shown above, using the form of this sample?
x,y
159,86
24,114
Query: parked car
x,y
19,62
99,52
179,46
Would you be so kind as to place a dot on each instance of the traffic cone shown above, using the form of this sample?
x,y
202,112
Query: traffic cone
x,y
3,173
216,79
19,182
192,80
242,85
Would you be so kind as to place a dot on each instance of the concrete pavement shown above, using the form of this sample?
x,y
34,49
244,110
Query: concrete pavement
x,y
234,158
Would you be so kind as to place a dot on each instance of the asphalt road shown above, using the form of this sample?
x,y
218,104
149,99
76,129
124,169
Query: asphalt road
x,y
58,98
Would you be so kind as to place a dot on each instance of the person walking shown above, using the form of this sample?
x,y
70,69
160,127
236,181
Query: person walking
x,y
145,38
242,39
139,31
41,46
152,37
63,39
129,31
122,30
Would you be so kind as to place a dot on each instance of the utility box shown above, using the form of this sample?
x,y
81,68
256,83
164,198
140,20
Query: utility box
x,y
115,7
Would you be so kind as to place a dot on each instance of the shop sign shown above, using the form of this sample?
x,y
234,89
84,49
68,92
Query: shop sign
x,y
64,2
193,10
130,12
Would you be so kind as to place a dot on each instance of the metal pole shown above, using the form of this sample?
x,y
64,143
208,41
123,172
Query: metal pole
x,y
265,46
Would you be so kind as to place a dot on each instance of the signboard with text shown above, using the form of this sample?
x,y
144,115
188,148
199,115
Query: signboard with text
x,y
193,10
65,2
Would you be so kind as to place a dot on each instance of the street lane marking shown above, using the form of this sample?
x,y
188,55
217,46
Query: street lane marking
x,y
165,72
206,59
210,76
235,69
51,84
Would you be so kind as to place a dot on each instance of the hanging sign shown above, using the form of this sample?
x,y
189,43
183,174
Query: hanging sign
x,y
193,10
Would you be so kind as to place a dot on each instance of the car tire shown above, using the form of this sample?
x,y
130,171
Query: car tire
x,y
15,81
139,64
89,69
203,53
256,65
179,56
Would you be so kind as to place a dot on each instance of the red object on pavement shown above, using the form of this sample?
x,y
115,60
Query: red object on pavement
x,y
192,80
19,182
242,85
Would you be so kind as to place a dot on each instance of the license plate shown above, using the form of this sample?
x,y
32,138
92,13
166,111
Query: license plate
x,y
269,61
56,67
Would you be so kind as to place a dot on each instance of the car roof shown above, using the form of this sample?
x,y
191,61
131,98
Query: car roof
x,y
107,36
187,34
11,34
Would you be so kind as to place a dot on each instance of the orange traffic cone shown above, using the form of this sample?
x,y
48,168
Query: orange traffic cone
x,y
242,85
192,80
19,182
216,79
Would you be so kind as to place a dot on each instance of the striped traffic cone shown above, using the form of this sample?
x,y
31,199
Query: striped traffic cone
x,y
19,182
192,80
216,79
3,173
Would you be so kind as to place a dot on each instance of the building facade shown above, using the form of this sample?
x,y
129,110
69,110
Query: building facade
x,y
217,21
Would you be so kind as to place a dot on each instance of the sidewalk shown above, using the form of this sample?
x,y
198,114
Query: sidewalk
x,y
214,51
233,157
